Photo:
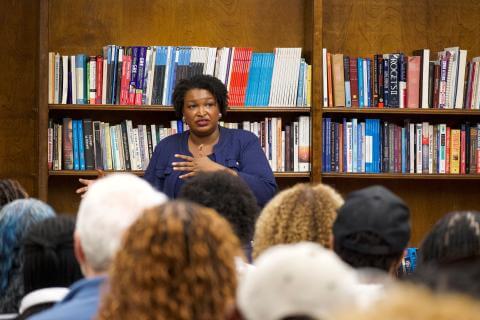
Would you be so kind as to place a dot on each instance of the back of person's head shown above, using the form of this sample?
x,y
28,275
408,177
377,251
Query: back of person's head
x,y
300,213
176,262
11,190
16,218
417,303
296,281
372,229
229,195
455,237
49,259
109,207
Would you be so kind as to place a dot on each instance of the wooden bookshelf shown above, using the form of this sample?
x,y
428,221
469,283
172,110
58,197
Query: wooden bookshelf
x,y
94,173
260,25
400,112
406,176
160,108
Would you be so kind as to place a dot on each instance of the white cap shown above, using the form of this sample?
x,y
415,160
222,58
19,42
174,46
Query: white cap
x,y
46,295
297,279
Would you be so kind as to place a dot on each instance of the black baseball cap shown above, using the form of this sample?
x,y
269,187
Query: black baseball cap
x,y
377,210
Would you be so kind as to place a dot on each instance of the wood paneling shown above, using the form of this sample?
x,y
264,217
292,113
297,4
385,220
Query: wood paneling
x,y
428,200
18,107
87,26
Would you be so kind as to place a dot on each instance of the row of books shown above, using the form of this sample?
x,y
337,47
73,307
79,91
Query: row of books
x,y
286,145
400,81
147,75
375,146
86,144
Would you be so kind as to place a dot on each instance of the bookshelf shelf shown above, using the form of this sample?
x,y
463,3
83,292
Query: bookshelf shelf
x,y
398,111
394,176
94,173
160,108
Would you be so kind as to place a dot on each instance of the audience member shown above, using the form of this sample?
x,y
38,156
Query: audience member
x,y
301,213
296,281
177,262
109,207
230,196
372,229
11,190
16,218
450,255
49,265
416,303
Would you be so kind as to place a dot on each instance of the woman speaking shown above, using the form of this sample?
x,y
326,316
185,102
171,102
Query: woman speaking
x,y
201,101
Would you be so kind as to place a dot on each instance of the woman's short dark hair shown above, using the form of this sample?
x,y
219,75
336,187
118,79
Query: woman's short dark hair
x,y
209,83
229,195
454,237
49,259
10,190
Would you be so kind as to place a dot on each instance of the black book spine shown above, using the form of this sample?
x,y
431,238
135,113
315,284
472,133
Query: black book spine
x,y
393,95
126,147
88,141
97,145
431,77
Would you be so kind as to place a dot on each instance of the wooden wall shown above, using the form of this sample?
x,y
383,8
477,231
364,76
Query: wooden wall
x,y
18,92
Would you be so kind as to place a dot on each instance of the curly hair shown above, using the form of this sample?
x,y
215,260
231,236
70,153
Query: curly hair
x,y
301,213
454,237
229,195
177,262
15,220
209,83
11,190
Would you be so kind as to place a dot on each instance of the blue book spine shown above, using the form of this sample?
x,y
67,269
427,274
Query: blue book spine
x,y
360,83
262,86
354,145
75,138
369,143
252,83
81,146
173,73
369,80
404,151
328,140
133,75
268,79
377,146
360,146
300,83
324,144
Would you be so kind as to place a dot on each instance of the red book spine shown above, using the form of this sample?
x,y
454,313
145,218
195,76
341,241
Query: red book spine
x,y
462,150
99,80
470,84
329,79
123,80
447,153
354,81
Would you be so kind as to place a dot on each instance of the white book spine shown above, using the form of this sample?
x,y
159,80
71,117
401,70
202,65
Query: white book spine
x,y
349,147
296,133
419,135
430,149
153,130
462,65
282,168
424,84
65,79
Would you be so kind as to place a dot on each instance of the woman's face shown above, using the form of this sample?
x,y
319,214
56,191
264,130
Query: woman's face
x,y
201,112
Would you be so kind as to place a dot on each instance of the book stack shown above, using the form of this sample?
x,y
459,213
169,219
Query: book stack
x,y
143,75
375,146
396,80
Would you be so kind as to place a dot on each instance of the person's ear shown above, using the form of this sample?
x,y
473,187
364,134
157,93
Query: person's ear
x,y
78,250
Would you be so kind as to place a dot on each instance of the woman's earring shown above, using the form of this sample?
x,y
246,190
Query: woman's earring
x,y
219,115
183,119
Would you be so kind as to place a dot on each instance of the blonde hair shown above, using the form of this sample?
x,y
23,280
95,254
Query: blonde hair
x,y
301,213
177,262
417,303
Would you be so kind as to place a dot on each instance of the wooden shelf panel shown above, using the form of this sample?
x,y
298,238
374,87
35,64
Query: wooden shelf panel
x,y
94,173
394,176
398,111
160,108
